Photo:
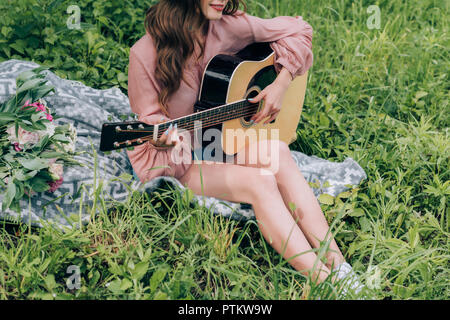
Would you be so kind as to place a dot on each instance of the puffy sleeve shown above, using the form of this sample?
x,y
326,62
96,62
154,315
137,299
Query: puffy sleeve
x,y
143,96
290,37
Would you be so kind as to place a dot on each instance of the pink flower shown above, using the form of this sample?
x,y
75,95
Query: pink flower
x,y
17,147
24,137
55,185
39,107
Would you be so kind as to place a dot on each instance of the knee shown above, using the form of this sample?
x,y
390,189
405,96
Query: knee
x,y
283,149
264,184
279,153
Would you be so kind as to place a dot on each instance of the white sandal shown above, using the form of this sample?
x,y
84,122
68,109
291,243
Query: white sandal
x,y
345,271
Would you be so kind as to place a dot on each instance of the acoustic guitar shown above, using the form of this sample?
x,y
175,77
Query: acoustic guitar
x,y
228,82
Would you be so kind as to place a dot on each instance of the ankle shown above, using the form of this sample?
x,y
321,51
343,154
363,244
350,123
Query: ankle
x,y
320,275
334,260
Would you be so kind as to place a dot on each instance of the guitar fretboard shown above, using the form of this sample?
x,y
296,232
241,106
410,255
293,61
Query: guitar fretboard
x,y
209,117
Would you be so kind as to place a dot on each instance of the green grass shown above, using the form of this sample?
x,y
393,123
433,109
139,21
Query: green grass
x,y
379,96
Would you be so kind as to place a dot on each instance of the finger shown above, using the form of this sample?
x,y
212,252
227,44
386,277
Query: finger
x,y
156,143
173,134
272,117
265,113
258,98
163,138
259,114
255,116
261,117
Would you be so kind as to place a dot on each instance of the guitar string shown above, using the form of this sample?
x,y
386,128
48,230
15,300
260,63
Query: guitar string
x,y
190,129
144,138
233,107
212,119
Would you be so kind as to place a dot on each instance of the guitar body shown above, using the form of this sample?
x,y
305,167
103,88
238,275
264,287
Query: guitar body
x,y
231,78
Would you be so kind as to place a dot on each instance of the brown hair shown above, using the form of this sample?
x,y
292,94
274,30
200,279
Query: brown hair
x,y
173,24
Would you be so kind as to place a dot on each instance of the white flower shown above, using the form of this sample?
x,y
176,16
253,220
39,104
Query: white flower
x,y
73,132
50,129
56,170
70,147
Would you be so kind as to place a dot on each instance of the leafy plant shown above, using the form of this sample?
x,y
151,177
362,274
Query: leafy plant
x,y
379,96
33,149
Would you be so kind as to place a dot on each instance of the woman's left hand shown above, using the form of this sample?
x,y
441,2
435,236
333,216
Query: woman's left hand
x,y
273,96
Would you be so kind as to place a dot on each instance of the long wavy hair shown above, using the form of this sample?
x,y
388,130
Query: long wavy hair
x,y
174,26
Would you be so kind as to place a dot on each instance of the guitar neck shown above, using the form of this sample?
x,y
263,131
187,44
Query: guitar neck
x,y
215,115
128,134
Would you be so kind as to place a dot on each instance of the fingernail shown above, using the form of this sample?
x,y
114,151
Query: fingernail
x,y
166,132
252,122
176,125
251,99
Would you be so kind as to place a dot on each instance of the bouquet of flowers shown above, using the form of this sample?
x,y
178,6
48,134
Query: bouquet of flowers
x,y
33,148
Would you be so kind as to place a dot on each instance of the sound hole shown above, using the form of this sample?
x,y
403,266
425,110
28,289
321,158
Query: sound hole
x,y
262,79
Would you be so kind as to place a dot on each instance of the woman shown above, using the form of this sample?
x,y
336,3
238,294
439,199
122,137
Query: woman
x,y
165,72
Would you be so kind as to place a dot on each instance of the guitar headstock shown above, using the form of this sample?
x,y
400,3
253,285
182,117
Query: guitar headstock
x,y
118,135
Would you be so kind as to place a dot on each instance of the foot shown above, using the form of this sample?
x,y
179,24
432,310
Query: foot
x,y
350,280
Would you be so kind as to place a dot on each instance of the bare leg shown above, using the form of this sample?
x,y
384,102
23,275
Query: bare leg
x,y
294,188
277,225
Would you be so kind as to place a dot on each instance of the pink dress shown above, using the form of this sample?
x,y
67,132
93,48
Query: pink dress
x,y
290,39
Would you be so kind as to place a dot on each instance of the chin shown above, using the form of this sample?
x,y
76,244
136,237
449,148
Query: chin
x,y
214,16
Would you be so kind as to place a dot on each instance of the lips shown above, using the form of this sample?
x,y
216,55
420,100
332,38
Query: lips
x,y
218,7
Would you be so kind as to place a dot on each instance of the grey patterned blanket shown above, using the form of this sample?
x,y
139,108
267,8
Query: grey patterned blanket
x,y
87,108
